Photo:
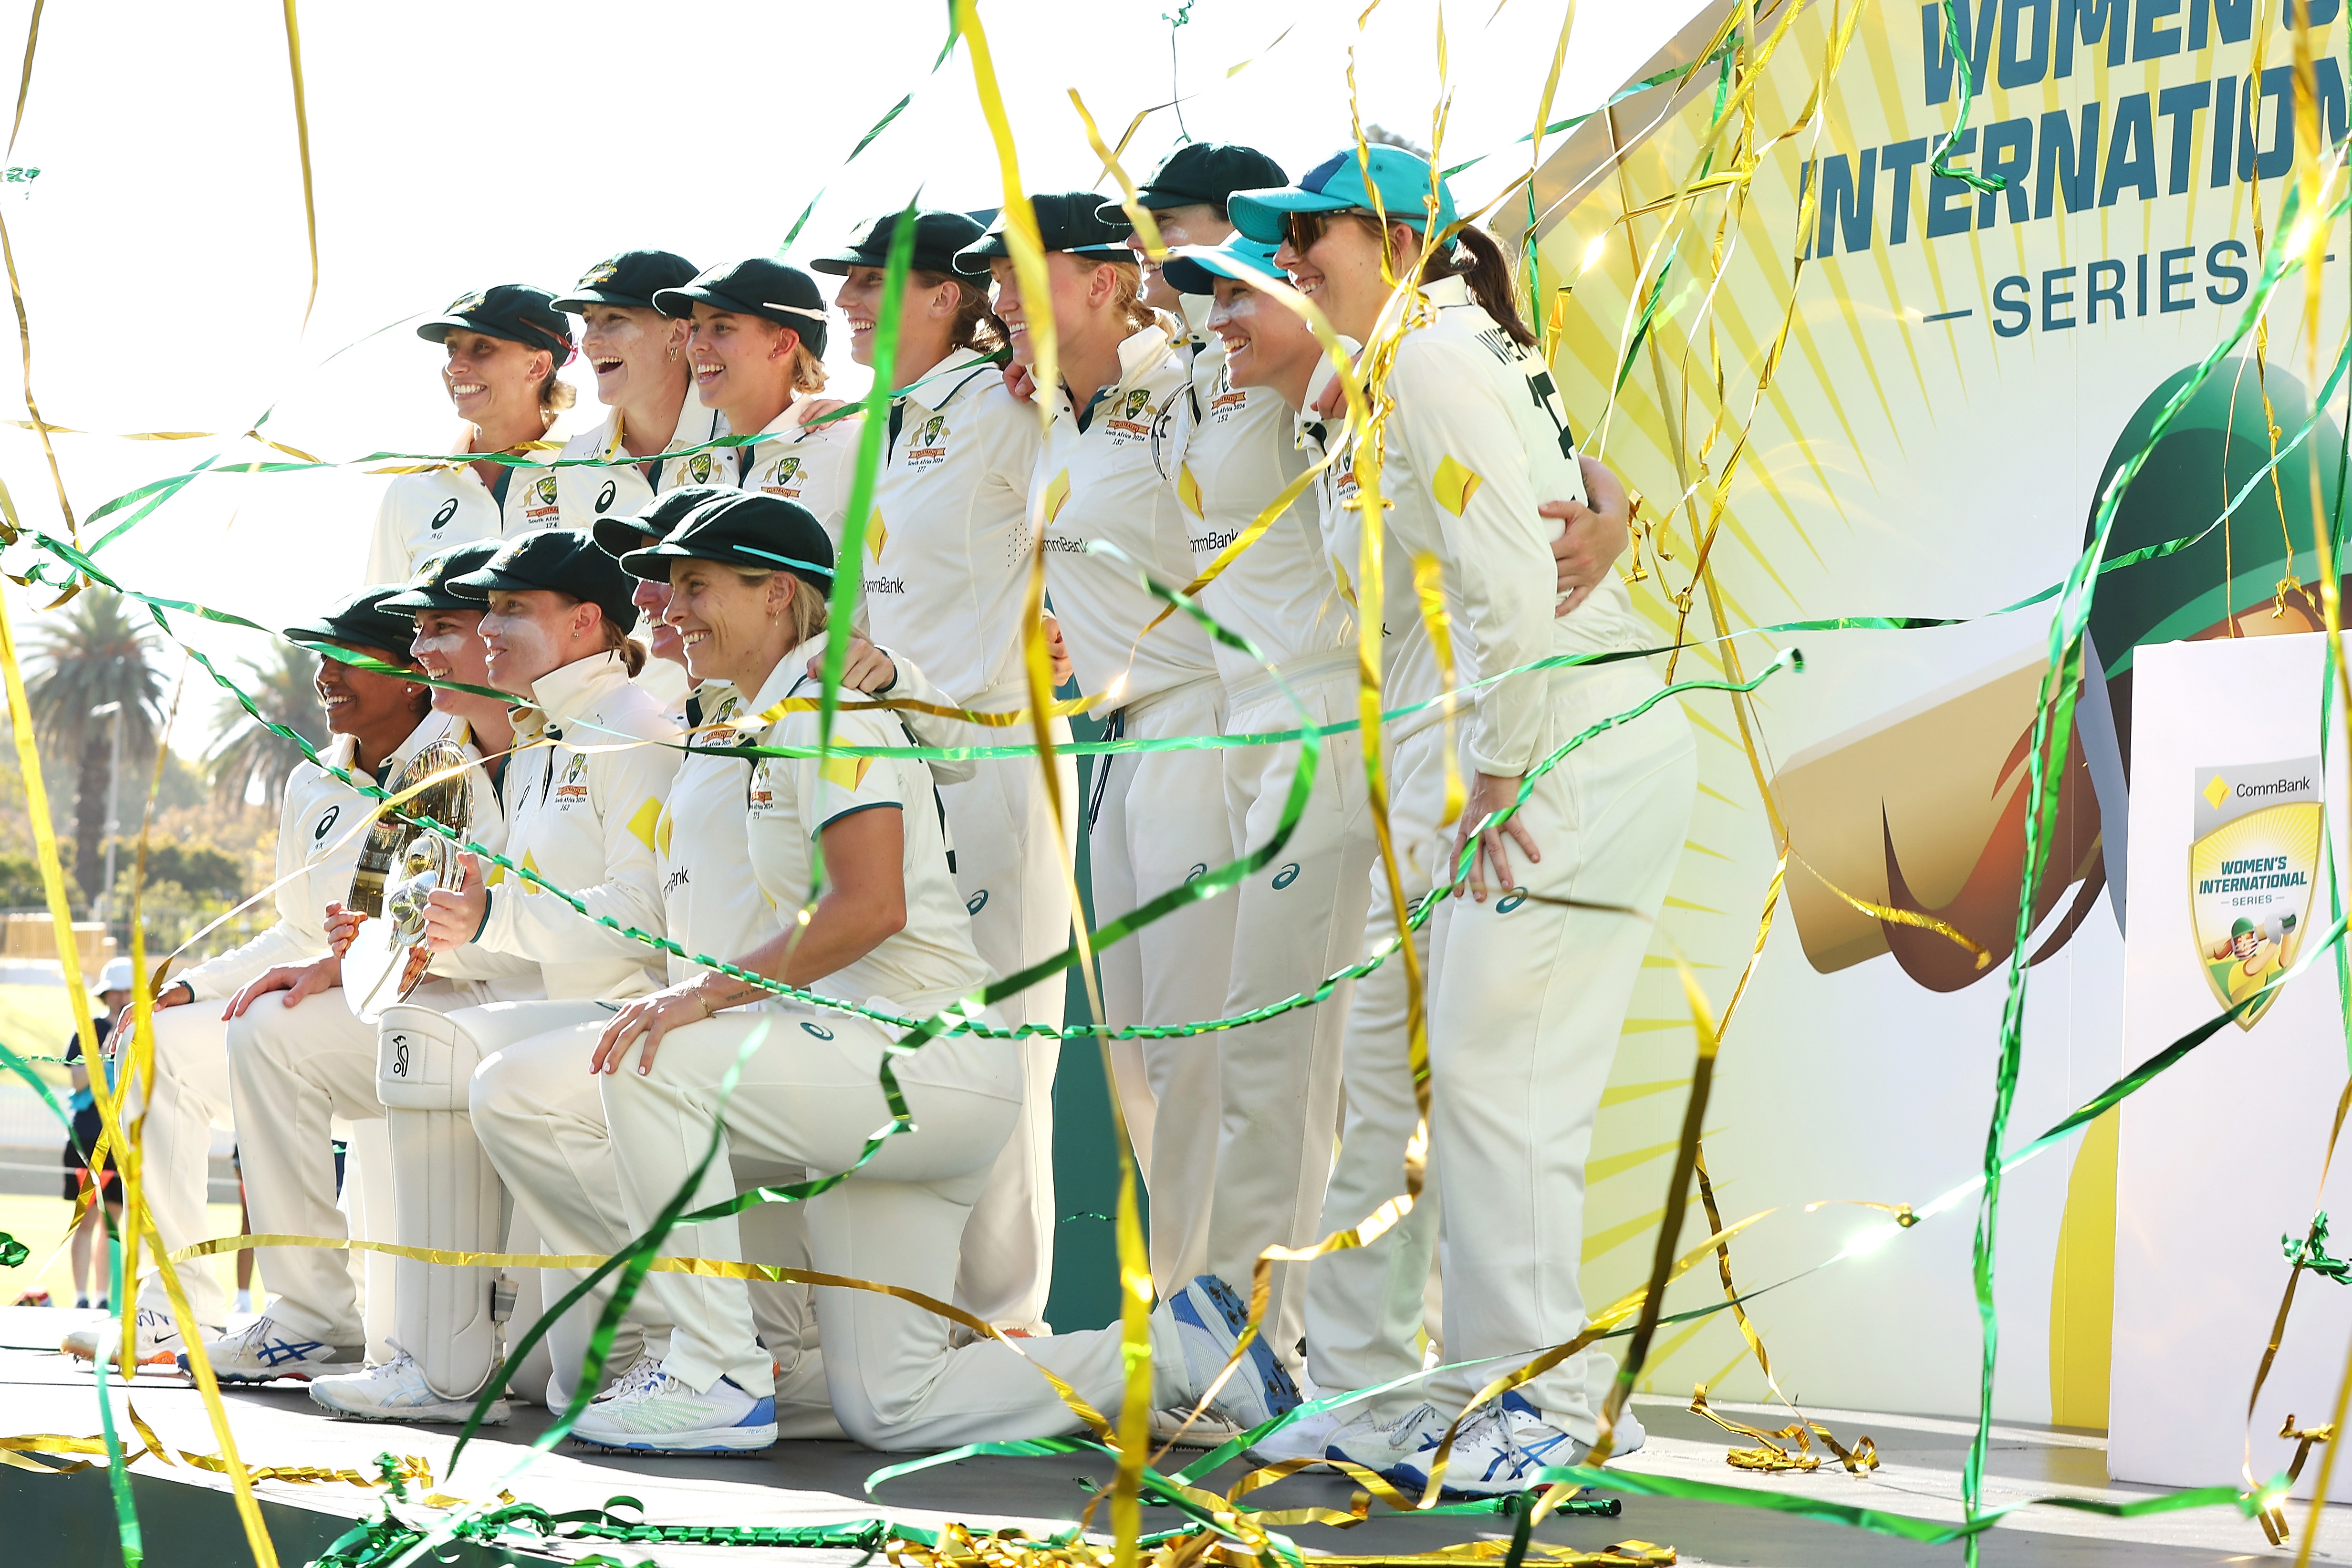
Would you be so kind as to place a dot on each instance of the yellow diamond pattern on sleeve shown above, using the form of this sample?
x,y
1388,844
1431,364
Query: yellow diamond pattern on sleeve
x,y
646,819
529,862
662,831
1454,486
877,534
1058,492
1188,489
848,772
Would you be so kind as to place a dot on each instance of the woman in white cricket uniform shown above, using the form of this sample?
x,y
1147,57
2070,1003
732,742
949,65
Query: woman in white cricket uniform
x,y
299,1060
541,1118
1528,992
1302,917
1156,819
505,346
889,929
757,347
584,795
947,576
375,722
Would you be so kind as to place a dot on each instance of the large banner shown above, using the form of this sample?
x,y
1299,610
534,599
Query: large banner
x,y
1903,398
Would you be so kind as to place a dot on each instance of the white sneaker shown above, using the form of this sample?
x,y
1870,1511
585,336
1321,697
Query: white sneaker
x,y
267,1350
1393,1448
396,1391
1179,1425
1501,1449
159,1341
1308,1437
1209,1319
652,1412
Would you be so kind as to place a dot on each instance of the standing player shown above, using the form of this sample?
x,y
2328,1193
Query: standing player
x,y
583,800
947,576
504,345
375,722
1533,973
1302,917
1157,820
644,377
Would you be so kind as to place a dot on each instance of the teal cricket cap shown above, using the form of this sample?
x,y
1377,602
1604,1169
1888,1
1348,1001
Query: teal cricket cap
x,y
1195,268
1338,185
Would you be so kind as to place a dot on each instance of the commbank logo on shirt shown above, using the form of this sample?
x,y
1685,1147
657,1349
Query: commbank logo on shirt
x,y
886,585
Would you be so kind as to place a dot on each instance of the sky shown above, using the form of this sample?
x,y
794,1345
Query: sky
x,y
165,268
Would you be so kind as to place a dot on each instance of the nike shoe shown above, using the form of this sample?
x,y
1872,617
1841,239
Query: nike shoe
x,y
651,1412
1209,1319
1503,1449
158,1344
1392,1446
395,1390
266,1350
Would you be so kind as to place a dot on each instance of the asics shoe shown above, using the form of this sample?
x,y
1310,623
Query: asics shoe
x,y
1209,1319
1308,1437
159,1341
1501,1449
1394,1447
266,1350
651,1412
395,1390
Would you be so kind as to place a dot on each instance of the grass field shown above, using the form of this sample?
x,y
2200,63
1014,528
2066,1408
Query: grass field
x,y
39,1222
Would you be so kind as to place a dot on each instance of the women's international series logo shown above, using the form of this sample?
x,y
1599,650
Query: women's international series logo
x,y
2252,871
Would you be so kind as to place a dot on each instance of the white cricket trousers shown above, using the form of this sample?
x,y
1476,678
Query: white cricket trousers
x,y
193,1093
1013,862
1161,822
809,1095
293,1072
1365,1305
540,1112
1295,921
1529,1003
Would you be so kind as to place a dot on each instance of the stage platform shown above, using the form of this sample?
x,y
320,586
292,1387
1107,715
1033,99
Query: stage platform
x,y
67,1522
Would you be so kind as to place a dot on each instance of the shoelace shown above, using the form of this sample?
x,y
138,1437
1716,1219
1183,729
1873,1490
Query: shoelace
x,y
642,1378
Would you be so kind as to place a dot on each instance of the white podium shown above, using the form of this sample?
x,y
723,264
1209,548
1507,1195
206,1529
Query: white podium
x,y
2221,1154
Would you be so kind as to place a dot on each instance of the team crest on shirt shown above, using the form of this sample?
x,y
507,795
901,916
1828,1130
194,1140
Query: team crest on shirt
x,y
572,789
784,478
539,507
1343,482
698,467
931,445
1226,399
763,796
1130,416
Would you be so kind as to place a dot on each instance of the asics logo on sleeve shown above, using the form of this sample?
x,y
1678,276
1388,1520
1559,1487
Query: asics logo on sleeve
x,y
1510,902
818,1030
325,822
976,903
1199,869
605,499
1286,875
448,510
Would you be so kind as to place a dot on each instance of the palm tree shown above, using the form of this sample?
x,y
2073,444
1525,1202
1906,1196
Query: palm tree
x,y
91,655
245,756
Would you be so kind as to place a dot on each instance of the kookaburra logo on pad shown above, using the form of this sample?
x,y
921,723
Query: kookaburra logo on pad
x,y
400,1056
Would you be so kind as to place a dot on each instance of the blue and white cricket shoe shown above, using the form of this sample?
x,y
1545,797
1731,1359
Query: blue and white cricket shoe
x,y
651,1412
1395,1448
395,1390
1503,1447
267,1350
1209,1319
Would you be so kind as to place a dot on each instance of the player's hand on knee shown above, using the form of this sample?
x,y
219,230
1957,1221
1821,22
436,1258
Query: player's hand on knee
x,y
289,978
865,668
1596,534
342,927
454,915
178,994
1489,794
645,1020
